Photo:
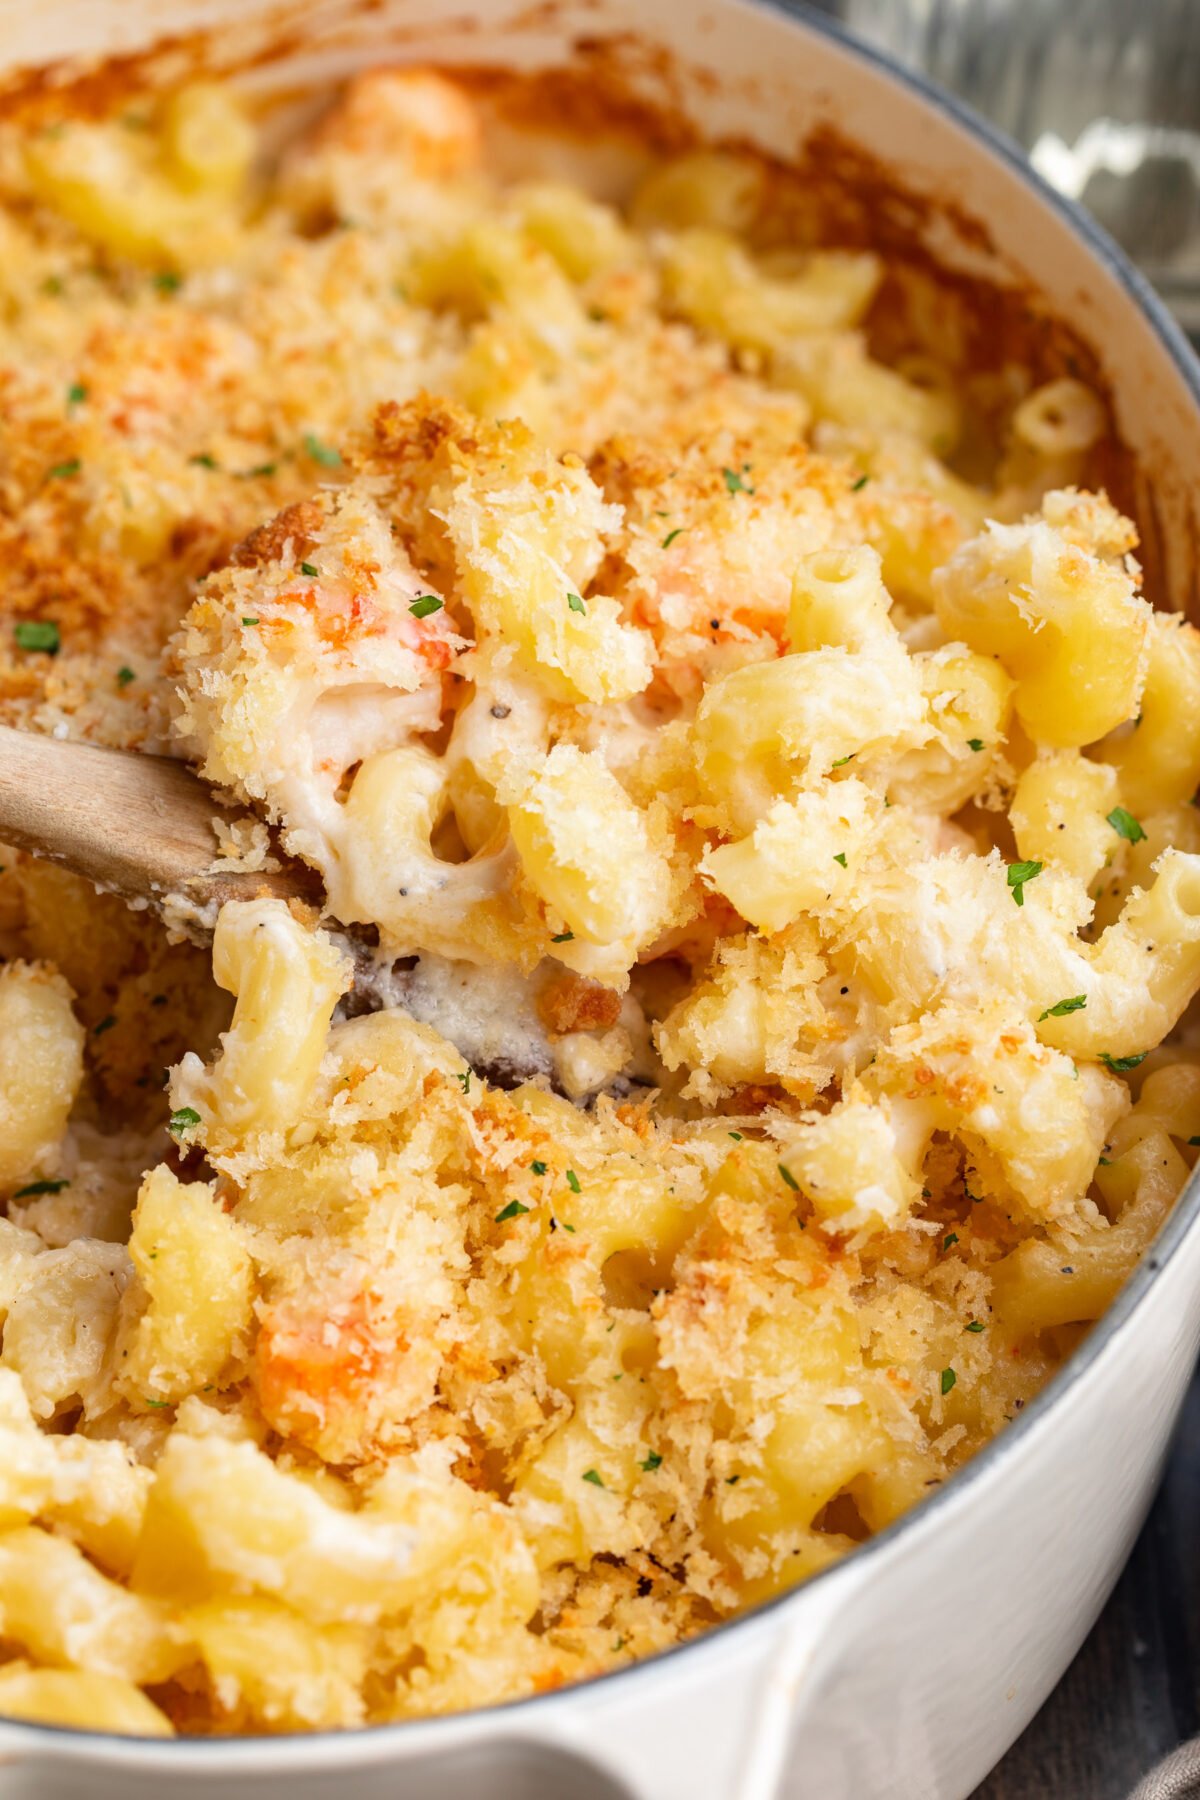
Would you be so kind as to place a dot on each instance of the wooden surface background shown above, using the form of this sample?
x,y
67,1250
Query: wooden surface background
x,y
1133,1692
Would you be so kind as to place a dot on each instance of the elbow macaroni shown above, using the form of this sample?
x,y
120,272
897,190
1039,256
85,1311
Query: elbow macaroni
x,y
683,724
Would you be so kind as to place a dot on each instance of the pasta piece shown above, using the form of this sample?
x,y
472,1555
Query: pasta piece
x,y
1065,622
41,1062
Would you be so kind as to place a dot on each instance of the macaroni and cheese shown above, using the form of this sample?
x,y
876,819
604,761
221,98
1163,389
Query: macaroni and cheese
x,y
754,774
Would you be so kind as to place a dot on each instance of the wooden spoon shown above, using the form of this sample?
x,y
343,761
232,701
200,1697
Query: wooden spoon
x,y
140,826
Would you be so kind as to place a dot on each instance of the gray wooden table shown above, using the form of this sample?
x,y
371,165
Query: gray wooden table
x,y
1133,1692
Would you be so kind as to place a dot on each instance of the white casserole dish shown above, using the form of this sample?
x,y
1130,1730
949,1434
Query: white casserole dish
x,y
906,1671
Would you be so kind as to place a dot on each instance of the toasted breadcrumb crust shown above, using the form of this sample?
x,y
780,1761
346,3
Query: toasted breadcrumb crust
x,y
686,707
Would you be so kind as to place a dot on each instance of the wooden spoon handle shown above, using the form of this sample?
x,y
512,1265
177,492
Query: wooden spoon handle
x,y
140,826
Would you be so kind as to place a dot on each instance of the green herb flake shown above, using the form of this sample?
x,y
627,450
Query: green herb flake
x,y
1106,1162
186,1119
125,675
168,282
106,1024
573,1182
948,1380
259,469
789,1180
594,1476
1119,1064
563,937
841,761
736,1136
539,1168
840,857
249,621
464,1081
149,1402
63,471
975,1325
671,536
653,1461
735,482
950,1238
577,604
424,605
975,744
37,634
513,1210
325,454
1018,874
567,1227
204,460
1125,825
33,1188
1061,1008
856,487
311,570
76,394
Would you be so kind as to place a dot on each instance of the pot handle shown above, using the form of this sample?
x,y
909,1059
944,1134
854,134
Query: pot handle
x,y
724,1734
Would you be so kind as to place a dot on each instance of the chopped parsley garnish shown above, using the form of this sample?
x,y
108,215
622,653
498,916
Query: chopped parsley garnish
x,y
183,1120
856,487
1018,874
950,1238
464,1080
975,1325
204,460
567,1227
840,761
788,1178
653,1461
671,536
948,1380
106,1024
1061,1008
37,634
563,937
423,605
573,1182
1119,1064
254,473
249,621
150,1402
736,1136
975,744
594,1476
168,282
539,1168
576,603
325,454
513,1210
310,569
734,481
1125,825
40,1187
64,470
840,857
76,394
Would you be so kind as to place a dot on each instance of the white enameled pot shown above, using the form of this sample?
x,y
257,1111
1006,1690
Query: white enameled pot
x,y
904,1672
